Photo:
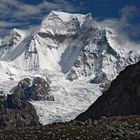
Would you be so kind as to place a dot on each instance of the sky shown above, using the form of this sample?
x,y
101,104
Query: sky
x,y
123,15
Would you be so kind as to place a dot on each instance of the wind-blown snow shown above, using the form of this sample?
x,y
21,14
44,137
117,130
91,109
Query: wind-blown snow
x,y
73,52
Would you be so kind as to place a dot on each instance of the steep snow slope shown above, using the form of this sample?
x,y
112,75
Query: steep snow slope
x,y
102,58
65,48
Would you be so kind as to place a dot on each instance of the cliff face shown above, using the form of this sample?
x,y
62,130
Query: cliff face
x,y
122,98
15,112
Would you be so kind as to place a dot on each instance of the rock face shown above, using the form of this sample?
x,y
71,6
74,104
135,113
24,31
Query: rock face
x,y
36,89
16,112
122,98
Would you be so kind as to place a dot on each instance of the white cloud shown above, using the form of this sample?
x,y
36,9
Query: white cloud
x,y
127,13
124,21
4,24
21,14
123,24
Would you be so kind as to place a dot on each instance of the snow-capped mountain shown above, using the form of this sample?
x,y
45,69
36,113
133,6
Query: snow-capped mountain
x,y
70,43
65,47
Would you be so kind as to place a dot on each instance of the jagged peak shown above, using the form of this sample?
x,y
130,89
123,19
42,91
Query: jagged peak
x,y
19,32
66,17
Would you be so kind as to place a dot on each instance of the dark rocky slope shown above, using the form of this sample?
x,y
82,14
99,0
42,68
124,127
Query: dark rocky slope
x,y
16,112
114,128
122,98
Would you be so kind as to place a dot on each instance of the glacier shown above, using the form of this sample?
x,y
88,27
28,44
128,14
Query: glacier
x,y
79,56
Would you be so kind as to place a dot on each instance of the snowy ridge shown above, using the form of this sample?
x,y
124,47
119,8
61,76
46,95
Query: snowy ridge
x,y
78,56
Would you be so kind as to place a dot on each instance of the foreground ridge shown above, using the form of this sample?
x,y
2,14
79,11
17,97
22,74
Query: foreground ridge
x,y
103,129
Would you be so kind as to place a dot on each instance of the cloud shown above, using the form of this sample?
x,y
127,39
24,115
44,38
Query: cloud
x,y
127,13
128,32
4,24
14,13
18,10
123,24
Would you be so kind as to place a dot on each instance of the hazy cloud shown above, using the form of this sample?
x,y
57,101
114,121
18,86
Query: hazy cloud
x,y
14,13
4,24
127,13
123,24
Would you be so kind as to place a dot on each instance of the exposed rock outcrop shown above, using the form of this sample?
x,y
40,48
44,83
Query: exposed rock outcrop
x,y
16,112
122,98
36,89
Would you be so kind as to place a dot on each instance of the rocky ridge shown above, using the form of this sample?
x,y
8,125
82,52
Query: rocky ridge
x,y
122,97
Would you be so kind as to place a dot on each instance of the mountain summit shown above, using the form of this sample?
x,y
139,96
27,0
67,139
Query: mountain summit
x,y
70,43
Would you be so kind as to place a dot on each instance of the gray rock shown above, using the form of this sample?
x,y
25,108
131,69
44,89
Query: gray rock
x,y
36,89
16,112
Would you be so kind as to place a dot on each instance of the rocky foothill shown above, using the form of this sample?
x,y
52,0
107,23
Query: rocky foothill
x,y
113,128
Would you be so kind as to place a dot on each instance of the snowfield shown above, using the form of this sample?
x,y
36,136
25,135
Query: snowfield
x,y
79,57
71,98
